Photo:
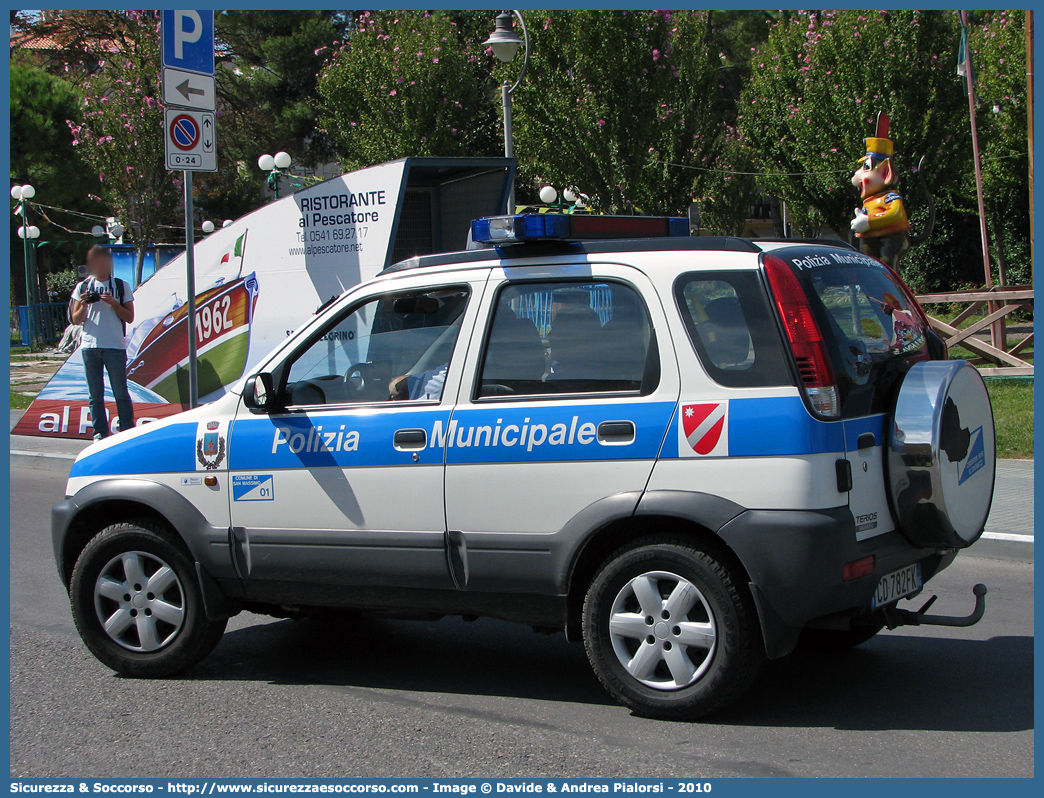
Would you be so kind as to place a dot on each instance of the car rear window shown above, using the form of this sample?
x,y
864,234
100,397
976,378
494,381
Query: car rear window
x,y
873,330
732,328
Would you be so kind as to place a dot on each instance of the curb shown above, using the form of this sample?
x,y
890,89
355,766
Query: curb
x,y
42,461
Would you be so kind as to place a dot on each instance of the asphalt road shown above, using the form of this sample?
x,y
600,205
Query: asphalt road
x,y
299,699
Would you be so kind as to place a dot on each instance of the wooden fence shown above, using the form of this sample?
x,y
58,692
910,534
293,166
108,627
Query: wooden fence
x,y
997,357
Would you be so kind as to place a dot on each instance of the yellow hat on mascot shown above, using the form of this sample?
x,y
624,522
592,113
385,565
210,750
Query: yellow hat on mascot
x,y
879,147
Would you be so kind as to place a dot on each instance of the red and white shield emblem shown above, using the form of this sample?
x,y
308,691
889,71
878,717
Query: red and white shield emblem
x,y
704,429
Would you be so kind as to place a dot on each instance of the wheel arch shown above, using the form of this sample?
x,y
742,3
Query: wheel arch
x,y
77,520
697,516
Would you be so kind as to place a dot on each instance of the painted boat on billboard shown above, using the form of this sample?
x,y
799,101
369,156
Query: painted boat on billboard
x,y
223,317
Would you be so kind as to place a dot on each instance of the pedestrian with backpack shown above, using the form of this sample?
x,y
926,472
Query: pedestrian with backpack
x,y
104,305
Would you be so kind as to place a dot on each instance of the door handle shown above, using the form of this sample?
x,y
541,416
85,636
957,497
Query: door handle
x,y
866,441
410,440
616,432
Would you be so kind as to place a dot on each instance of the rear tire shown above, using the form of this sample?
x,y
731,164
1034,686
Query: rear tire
x,y
137,603
671,630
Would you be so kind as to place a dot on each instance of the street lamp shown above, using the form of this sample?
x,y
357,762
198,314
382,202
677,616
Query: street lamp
x,y
570,201
505,43
27,233
208,227
275,165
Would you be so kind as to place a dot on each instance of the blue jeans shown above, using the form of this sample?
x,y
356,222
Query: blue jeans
x,y
114,361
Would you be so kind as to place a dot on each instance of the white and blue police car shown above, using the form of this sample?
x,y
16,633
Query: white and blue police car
x,y
691,453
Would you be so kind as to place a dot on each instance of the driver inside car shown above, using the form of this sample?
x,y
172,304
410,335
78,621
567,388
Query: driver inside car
x,y
428,375
425,385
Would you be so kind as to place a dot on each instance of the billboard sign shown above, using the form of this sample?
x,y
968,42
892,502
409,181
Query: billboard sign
x,y
264,275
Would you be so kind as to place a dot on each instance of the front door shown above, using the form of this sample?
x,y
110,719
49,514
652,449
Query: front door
x,y
342,488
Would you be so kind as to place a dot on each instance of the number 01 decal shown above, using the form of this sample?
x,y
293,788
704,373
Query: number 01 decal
x,y
253,487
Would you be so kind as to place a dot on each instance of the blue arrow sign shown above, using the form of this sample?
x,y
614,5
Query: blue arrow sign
x,y
188,40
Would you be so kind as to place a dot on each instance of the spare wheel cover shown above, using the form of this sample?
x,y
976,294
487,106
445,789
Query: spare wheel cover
x,y
942,456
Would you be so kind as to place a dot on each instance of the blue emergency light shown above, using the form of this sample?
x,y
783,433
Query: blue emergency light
x,y
574,227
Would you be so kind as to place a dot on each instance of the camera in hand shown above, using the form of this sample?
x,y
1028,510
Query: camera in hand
x,y
91,297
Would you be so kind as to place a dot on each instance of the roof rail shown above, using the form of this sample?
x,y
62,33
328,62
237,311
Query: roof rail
x,y
549,249
823,242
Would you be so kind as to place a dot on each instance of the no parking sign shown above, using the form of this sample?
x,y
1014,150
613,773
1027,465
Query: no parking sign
x,y
190,140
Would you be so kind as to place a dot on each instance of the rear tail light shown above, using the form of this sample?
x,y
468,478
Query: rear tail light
x,y
857,568
804,337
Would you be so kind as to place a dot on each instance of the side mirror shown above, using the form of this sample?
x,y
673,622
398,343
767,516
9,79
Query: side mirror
x,y
260,393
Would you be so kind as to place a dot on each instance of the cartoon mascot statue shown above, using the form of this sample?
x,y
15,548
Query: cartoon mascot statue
x,y
881,224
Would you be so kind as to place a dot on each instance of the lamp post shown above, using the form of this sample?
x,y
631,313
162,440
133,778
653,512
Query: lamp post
x,y
570,200
275,165
505,43
27,233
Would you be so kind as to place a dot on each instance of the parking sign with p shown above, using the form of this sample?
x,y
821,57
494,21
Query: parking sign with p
x,y
188,40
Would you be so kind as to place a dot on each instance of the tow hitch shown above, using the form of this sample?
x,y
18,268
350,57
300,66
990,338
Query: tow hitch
x,y
895,617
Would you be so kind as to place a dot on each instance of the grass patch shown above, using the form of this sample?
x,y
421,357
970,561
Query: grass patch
x,y
19,401
1013,414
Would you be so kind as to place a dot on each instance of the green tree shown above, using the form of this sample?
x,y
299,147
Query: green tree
x,y
816,87
269,72
998,48
727,190
121,133
42,154
268,65
619,104
410,83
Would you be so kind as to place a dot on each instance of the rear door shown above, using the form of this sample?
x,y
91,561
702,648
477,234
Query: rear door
x,y
571,383
874,332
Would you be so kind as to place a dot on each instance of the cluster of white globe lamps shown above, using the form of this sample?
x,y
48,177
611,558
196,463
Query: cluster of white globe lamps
x,y
548,194
266,163
20,193
281,160
209,226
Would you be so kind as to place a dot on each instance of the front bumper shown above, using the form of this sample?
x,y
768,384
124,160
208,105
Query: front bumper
x,y
795,562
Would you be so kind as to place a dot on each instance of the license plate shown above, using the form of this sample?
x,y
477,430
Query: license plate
x,y
897,584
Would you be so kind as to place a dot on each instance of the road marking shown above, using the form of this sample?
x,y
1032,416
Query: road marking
x,y
1008,536
56,455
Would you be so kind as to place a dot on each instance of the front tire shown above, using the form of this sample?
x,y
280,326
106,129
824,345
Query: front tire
x,y
137,603
671,630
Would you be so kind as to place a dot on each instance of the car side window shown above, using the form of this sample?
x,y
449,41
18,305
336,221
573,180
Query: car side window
x,y
568,338
731,327
396,347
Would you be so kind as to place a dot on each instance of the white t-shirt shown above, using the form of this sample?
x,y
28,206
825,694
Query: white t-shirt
x,y
102,328
428,384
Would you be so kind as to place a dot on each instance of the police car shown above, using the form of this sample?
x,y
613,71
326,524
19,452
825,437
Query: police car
x,y
689,453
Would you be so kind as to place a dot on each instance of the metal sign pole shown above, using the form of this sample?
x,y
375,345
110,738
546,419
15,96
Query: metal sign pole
x,y
190,271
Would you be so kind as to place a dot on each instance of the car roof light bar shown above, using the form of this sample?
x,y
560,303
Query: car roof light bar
x,y
525,227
